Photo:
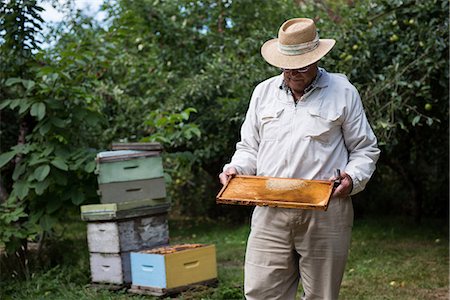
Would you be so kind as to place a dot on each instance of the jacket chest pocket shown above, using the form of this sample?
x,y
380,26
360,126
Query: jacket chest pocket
x,y
322,129
270,125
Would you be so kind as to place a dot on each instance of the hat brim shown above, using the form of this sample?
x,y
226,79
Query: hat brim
x,y
270,53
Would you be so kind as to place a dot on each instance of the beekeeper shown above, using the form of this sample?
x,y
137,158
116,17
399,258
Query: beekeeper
x,y
304,123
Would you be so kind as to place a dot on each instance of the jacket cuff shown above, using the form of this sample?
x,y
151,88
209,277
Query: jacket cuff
x,y
356,185
238,169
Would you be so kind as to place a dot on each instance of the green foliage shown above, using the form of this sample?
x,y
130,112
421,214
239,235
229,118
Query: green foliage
x,y
173,132
59,120
56,149
411,70
170,128
20,25
396,52
11,231
184,54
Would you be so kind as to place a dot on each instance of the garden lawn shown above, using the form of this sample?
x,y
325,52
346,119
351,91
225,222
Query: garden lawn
x,y
390,258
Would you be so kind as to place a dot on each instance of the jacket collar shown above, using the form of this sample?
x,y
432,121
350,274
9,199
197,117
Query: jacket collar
x,y
324,79
321,81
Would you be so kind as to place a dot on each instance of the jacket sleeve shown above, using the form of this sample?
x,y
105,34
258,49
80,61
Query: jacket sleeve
x,y
361,143
244,158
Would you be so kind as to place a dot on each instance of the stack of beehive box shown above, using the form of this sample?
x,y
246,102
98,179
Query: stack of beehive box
x,y
133,210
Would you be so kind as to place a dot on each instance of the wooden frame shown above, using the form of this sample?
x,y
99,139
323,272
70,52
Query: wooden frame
x,y
276,192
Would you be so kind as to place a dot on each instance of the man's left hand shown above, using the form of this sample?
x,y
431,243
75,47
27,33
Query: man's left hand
x,y
345,188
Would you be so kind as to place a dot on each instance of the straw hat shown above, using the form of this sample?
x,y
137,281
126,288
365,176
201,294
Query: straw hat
x,y
297,46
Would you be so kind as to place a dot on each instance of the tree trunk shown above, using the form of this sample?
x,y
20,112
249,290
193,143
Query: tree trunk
x,y
418,202
3,192
220,19
23,130
410,178
22,252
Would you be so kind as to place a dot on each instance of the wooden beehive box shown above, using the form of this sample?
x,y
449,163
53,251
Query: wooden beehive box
x,y
126,191
128,165
128,234
110,268
173,267
276,192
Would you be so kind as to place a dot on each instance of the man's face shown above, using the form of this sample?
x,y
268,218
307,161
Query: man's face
x,y
297,80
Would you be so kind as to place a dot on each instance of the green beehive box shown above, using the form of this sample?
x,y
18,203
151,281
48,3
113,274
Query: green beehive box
x,y
123,210
126,191
128,165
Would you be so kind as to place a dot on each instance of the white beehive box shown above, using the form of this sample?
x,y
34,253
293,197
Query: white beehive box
x,y
111,268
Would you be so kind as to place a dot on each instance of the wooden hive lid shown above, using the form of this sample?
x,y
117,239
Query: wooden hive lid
x,y
153,146
119,155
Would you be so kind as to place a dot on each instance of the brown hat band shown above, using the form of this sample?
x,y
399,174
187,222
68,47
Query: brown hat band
x,y
298,49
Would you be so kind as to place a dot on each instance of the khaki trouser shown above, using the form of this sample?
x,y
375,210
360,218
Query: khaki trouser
x,y
287,246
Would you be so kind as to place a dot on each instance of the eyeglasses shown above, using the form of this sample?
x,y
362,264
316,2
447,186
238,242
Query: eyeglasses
x,y
295,71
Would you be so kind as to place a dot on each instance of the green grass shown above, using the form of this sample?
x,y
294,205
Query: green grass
x,y
389,259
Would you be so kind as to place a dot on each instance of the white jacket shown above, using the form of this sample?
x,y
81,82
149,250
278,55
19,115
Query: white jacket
x,y
326,130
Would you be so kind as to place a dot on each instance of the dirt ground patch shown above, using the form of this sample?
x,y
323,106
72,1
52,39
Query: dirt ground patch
x,y
436,294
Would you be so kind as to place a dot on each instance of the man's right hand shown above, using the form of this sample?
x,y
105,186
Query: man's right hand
x,y
227,174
